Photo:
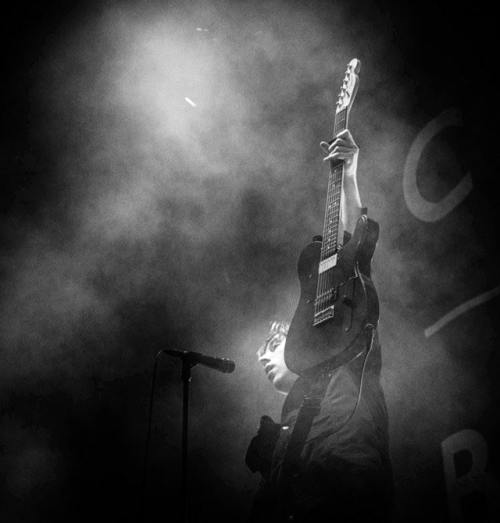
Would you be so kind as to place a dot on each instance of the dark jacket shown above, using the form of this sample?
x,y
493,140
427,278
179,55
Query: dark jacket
x,y
344,473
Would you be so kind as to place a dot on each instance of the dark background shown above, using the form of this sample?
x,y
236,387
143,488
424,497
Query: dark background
x,y
133,221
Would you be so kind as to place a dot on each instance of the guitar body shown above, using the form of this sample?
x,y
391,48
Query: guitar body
x,y
354,302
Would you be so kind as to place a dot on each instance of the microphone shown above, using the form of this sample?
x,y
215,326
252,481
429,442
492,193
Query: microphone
x,y
194,358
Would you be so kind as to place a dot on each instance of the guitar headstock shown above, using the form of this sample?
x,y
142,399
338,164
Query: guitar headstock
x,y
349,86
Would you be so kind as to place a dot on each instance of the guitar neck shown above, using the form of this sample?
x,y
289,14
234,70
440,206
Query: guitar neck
x,y
331,226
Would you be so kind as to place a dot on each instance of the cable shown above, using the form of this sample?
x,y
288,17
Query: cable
x,y
148,434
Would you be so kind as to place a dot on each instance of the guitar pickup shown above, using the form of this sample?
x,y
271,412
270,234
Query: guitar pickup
x,y
326,298
324,315
327,264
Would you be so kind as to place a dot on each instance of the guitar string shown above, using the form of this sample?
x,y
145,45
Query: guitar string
x,y
330,229
329,246
330,241
330,224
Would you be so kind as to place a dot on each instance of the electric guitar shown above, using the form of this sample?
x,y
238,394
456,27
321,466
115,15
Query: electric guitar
x,y
338,300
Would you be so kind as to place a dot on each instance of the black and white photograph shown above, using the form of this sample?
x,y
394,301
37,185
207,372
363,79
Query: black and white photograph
x,y
249,262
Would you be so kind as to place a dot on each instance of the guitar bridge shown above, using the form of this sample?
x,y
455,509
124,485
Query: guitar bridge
x,y
324,315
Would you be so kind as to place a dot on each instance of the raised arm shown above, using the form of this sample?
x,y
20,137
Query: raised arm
x,y
344,148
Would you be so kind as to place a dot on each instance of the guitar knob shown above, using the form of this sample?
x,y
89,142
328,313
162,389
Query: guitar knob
x,y
318,238
347,301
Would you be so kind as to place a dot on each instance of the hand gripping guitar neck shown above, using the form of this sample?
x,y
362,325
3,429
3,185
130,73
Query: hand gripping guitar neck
x,y
338,299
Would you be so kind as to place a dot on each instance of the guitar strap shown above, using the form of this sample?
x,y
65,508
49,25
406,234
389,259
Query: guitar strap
x,y
309,409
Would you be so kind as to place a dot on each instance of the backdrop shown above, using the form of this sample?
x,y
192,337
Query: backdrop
x,y
161,173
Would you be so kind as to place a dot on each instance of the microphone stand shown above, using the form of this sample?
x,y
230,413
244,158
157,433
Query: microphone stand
x,y
187,365
190,360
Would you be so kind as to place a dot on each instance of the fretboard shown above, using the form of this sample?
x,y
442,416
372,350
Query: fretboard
x,y
333,197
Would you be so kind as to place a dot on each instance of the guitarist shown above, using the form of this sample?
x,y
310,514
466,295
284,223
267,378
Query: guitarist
x,y
333,464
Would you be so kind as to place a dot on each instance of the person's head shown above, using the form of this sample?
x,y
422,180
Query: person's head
x,y
272,357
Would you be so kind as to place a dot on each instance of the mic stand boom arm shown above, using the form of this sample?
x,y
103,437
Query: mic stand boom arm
x,y
190,360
